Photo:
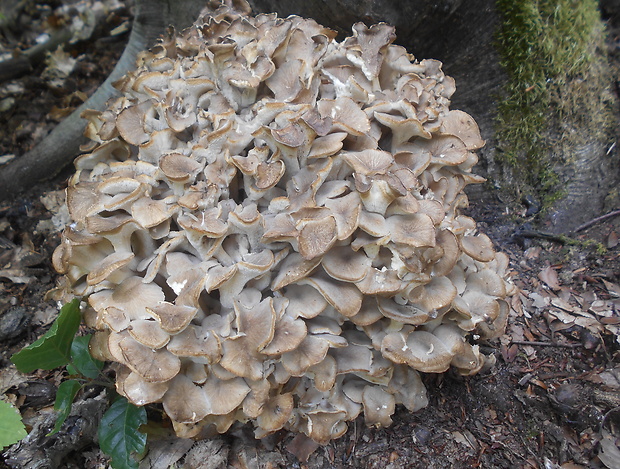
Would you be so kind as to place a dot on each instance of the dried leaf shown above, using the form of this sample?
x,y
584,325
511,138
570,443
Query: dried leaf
x,y
165,452
54,202
562,316
10,377
6,158
539,301
16,275
609,454
59,65
549,464
533,253
572,465
463,439
562,305
302,447
207,454
517,304
612,288
59,113
529,351
528,335
609,321
611,378
602,308
612,240
509,353
615,330
550,277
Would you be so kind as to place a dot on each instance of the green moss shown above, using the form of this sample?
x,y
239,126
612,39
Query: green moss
x,y
546,46
597,247
591,245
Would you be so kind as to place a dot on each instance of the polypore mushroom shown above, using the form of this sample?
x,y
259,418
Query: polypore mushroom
x,y
267,229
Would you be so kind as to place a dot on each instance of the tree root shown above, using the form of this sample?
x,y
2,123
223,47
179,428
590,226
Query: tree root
x,y
59,148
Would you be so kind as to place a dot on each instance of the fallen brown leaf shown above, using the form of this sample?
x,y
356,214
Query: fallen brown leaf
x,y
612,240
609,454
302,447
550,277
612,288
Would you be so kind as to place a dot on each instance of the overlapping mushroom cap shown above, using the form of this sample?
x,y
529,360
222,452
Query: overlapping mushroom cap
x,y
267,228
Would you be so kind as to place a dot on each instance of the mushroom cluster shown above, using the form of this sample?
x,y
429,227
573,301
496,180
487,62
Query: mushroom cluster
x,y
266,228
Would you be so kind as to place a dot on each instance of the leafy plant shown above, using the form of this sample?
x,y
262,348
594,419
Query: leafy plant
x,y
64,398
12,428
119,434
54,348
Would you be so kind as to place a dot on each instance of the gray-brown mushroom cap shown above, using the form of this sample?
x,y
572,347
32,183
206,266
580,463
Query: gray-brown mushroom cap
x,y
345,264
479,247
137,390
185,402
172,318
130,300
420,350
153,365
379,405
275,414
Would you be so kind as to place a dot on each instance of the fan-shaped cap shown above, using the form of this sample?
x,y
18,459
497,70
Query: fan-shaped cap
x,y
480,247
347,265
379,405
153,365
275,414
137,390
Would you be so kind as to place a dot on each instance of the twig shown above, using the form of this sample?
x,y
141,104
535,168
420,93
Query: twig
x,y
594,221
490,440
521,233
544,344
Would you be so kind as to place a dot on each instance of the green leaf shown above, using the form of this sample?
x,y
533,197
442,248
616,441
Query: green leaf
x,y
64,398
119,436
12,428
53,349
82,359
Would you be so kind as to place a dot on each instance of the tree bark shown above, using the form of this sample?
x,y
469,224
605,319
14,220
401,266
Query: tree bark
x,y
462,34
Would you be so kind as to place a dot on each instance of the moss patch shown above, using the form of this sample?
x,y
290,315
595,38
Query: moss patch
x,y
549,50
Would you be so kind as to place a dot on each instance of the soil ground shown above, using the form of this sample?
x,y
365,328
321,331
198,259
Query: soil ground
x,y
552,400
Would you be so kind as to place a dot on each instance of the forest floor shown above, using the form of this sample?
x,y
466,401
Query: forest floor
x,y
551,401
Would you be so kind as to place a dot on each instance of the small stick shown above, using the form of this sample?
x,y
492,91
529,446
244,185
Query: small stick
x,y
544,344
540,234
594,221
